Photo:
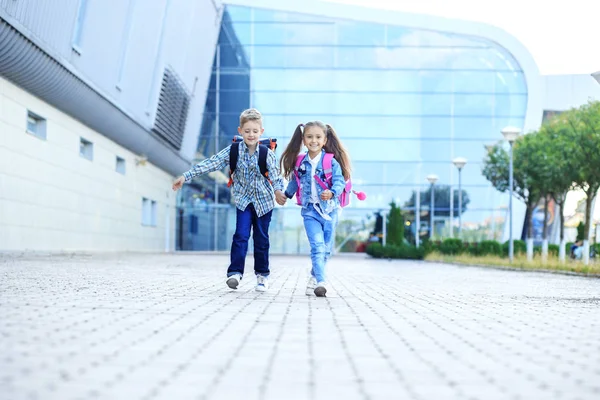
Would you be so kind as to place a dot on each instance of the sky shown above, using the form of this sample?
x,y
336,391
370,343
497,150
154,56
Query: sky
x,y
562,36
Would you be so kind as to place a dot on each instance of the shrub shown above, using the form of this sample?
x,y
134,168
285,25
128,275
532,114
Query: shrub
x,y
412,252
375,250
568,248
553,250
473,249
490,247
519,245
451,247
391,251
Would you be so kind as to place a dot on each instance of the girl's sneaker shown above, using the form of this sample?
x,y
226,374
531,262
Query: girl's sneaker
x,y
311,285
320,289
262,283
233,281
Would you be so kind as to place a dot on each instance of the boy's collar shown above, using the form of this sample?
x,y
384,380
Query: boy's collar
x,y
245,146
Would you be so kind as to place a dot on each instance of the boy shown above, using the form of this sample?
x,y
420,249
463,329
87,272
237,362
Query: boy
x,y
253,195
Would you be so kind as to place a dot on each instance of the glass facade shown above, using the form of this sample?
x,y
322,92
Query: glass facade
x,y
404,101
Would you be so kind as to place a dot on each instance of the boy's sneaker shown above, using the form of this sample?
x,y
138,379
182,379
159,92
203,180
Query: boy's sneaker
x,y
262,283
320,289
233,281
311,285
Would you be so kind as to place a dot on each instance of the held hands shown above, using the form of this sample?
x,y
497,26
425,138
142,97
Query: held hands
x,y
326,195
178,183
280,198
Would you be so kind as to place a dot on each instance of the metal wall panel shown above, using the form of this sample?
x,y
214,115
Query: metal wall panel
x,y
51,22
25,64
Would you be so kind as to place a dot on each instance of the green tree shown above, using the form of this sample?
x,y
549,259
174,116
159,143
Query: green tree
x,y
583,134
580,231
536,165
496,170
395,225
559,166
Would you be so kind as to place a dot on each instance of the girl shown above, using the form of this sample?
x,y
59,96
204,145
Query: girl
x,y
319,205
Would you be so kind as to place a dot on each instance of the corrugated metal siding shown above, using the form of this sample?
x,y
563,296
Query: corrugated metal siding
x,y
172,111
50,21
25,64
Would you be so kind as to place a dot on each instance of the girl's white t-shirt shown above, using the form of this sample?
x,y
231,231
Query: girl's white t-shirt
x,y
314,162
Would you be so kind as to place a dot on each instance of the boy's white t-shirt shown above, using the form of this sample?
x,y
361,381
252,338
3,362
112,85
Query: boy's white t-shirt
x,y
314,162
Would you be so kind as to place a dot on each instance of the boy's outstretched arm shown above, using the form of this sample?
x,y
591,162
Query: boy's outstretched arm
x,y
214,163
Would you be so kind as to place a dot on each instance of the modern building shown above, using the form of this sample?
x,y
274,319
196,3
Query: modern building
x,y
96,118
406,93
100,106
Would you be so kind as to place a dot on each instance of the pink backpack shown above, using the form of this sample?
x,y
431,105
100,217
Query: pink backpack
x,y
344,197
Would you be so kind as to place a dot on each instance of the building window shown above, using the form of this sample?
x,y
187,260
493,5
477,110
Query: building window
x,y
120,166
76,42
86,149
36,125
148,212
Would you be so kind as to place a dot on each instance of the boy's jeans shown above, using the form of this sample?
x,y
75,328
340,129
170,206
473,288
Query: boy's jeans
x,y
239,247
321,236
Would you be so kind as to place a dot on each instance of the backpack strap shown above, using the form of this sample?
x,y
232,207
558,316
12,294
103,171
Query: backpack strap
x,y
299,160
263,152
328,167
234,152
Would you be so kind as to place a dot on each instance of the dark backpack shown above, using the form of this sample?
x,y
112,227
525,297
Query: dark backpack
x,y
263,149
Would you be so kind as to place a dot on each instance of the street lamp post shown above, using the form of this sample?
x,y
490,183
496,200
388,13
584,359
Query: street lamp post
x,y
432,179
459,162
510,134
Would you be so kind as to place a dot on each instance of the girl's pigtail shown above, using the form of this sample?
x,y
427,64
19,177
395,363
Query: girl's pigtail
x,y
335,146
290,154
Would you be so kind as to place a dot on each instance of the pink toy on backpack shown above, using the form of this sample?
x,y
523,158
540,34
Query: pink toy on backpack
x,y
344,197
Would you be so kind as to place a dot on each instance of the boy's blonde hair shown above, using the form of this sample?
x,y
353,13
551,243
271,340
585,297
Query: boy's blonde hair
x,y
251,114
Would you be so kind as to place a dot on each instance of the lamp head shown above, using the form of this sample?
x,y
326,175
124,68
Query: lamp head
x,y
511,133
432,179
459,162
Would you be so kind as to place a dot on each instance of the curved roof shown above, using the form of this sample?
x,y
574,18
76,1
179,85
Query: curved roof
x,y
493,34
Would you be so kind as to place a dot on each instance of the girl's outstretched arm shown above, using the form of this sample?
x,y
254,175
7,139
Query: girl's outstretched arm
x,y
292,188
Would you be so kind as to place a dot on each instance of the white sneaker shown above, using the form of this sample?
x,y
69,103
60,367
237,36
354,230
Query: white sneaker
x,y
233,281
262,283
320,290
310,286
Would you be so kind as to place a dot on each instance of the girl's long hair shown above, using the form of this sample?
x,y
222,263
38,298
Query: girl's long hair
x,y
333,145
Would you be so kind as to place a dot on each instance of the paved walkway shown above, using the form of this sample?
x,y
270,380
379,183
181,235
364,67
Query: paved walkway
x,y
164,326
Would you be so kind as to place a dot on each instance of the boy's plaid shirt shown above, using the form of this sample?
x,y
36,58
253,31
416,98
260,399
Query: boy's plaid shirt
x,y
249,186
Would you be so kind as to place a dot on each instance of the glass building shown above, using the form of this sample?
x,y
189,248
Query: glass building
x,y
404,101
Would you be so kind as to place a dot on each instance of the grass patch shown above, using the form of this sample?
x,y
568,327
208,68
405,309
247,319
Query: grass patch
x,y
520,261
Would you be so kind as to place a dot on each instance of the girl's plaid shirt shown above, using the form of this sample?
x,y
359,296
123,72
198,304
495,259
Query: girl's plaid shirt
x,y
249,186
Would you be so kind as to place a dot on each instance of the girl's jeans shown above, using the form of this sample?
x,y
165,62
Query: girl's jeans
x,y
321,236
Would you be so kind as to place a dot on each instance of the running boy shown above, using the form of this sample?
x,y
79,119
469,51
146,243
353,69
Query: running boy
x,y
254,197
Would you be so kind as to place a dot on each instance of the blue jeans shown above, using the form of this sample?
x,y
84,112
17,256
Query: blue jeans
x,y
245,220
321,236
